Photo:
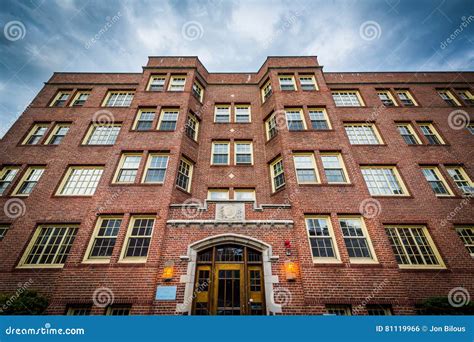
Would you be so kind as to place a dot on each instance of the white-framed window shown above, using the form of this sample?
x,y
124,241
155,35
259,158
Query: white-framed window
x,y
7,175
357,240
383,181
244,194
242,113
61,98
104,237
128,168
80,181
295,119
408,134
449,98
277,173
222,113
220,153
156,83
192,126
155,169
413,247
308,82
271,127
436,180
177,83
430,133
462,180
57,135
305,167
198,91
102,134
168,119
144,119
36,134
79,311
138,239
347,98
466,234
243,153
3,230
217,194
266,90
319,118
334,168
49,246
185,173
80,98
406,98
339,310
379,310
362,134
119,98
466,96
287,82
28,181
386,98
118,310
321,239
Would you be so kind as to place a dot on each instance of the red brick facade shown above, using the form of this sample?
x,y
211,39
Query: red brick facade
x,y
275,218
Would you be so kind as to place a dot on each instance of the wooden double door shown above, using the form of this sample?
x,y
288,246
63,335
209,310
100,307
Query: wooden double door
x,y
229,281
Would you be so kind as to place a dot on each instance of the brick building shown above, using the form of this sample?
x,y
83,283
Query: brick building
x,y
285,191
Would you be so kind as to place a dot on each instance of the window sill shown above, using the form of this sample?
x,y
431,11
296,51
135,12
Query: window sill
x,y
327,263
96,262
424,268
278,191
392,196
182,190
369,145
32,267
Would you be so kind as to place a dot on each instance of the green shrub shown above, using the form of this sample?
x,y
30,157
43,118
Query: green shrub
x,y
24,303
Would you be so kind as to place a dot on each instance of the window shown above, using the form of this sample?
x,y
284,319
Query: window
x,y
102,134
156,83
118,310
177,83
386,97
383,181
144,120
334,168
137,241
305,166
244,194
308,82
79,311
287,82
80,181
379,310
155,169
321,239
36,134
60,99
466,233
220,153
357,239
436,181
431,134
80,98
243,153
405,98
29,181
119,98
408,134
271,126
266,90
3,230
466,96
185,172
222,113
192,127
319,118
128,168
50,246
413,247
295,120
347,98
339,310
103,239
217,194
278,174
461,179
58,134
198,91
242,113
7,175
168,119
448,97
362,134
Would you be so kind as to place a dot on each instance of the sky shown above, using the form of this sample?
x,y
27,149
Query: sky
x,y
39,37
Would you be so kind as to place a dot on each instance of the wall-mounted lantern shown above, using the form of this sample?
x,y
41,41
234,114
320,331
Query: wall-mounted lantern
x,y
291,270
168,271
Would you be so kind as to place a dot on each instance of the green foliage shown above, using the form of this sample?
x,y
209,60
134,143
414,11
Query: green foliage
x,y
441,306
25,303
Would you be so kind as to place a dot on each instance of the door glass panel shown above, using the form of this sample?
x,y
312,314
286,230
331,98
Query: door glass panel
x,y
228,292
229,253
